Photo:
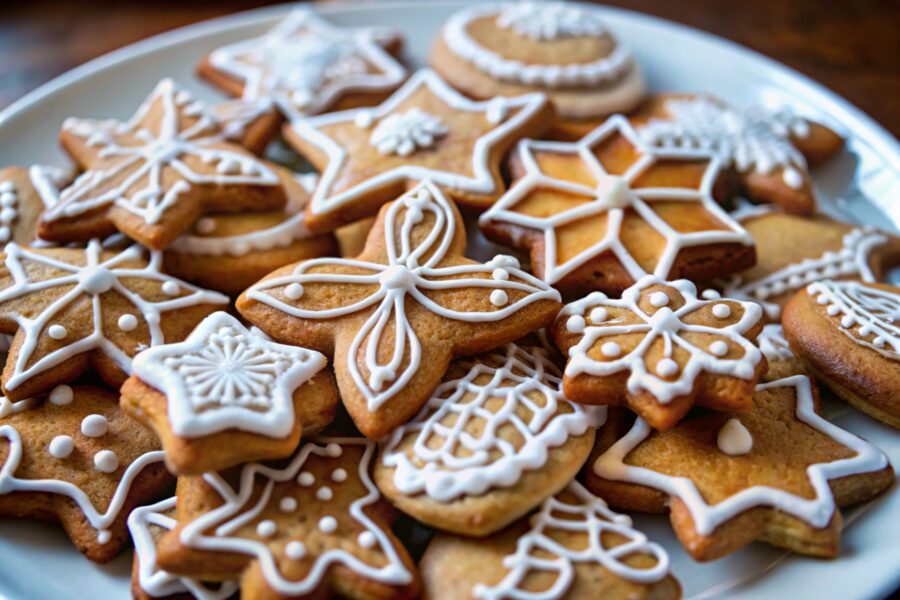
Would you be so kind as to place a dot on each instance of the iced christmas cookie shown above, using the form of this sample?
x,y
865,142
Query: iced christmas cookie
x,y
781,360
72,309
315,527
777,472
394,317
495,439
660,349
848,334
573,547
600,213
151,177
425,130
769,150
77,459
561,49
230,252
24,194
252,125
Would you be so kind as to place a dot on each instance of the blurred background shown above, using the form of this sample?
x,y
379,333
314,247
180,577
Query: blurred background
x,y
851,46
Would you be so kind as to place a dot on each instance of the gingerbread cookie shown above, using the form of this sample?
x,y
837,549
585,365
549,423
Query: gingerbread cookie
x,y
495,439
313,528
395,316
153,176
562,49
847,333
253,125
776,472
600,213
767,149
780,359
660,349
24,194
574,547
77,459
75,308
425,130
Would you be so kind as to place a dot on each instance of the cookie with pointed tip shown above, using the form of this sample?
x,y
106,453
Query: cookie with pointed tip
x,y
661,349
394,317
72,309
25,192
251,124
781,361
846,333
313,527
76,458
151,177
777,473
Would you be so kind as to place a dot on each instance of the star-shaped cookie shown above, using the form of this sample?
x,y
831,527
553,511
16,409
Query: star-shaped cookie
x,y
425,130
25,192
394,317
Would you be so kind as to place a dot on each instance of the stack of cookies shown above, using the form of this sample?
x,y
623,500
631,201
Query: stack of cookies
x,y
278,384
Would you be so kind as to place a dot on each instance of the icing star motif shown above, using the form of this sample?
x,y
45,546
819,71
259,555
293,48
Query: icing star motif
x,y
661,348
425,130
70,307
410,281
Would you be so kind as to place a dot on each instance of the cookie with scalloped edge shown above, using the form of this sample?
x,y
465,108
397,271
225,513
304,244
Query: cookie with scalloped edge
x,y
26,192
777,473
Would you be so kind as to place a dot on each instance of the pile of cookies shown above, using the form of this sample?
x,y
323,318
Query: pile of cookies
x,y
278,384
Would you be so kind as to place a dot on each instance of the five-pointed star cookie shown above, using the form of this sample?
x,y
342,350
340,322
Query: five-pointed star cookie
x,y
776,473
153,176
312,528
71,308
604,211
78,459
24,194
226,395
395,316
425,130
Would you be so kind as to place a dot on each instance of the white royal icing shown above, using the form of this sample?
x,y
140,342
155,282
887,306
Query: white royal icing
x,y
772,343
403,133
734,439
550,20
410,274
816,511
671,328
612,196
464,463
9,208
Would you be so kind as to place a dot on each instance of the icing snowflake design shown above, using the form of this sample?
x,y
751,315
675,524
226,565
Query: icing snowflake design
x,y
550,20
772,343
223,377
404,133
412,271
868,315
146,171
575,511
105,285
672,318
612,196
244,506
472,460
816,511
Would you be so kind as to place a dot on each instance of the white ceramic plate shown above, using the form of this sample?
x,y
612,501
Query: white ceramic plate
x,y
37,561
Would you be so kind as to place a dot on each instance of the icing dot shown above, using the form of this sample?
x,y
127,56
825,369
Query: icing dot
x,y
718,348
94,426
734,439
364,119
266,528
722,311
710,295
500,274
205,225
57,332
659,299
339,475
575,324
366,539
328,524
611,349
7,187
822,299
5,233
294,291
499,298
61,446
324,493
792,178
128,322
8,214
103,536
295,550
667,367
287,504
879,341
306,479
106,461
847,321
599,314
170,288
61,394
833,310
96,280
397,277
333,450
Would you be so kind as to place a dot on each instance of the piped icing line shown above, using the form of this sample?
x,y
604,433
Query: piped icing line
x,y
154,581
590,516
229,516
852,260
516,374
589,318
92,280
411,271
9,408
869,316
603,70
817,511
518,111
773,344
613,196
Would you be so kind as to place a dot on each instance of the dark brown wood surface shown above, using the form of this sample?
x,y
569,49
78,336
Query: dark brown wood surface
x,y
851,46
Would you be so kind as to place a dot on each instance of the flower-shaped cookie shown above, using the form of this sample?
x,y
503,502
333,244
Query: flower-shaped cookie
x,y
661,349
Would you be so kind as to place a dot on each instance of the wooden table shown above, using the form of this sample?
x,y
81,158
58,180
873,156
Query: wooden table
x,y
851,46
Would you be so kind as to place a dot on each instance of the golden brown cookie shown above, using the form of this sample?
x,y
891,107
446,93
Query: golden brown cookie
x,y
252,124
776,472
780,359
24,194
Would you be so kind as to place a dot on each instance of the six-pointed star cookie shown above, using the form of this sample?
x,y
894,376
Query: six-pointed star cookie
x,y
660,349
776,473
395,316
153,176
24,194
227,395
71,308
312,528
78,459
604,211
425,130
